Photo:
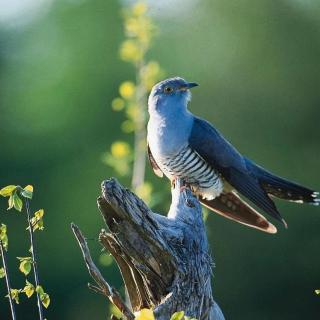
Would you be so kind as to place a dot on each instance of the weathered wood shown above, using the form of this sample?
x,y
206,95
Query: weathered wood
x,y
103,286
164,261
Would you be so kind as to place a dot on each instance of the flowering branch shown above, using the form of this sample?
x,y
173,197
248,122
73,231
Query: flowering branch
x,y
139,31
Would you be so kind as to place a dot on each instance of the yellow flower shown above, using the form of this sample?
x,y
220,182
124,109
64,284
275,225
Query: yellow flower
x,y
151,74
130,51
140,28
139,8
133,112
153,68
120,149
117,104
127,89
127,126
132,26
144,314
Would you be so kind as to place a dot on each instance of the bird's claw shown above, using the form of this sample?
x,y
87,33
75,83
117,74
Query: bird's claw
x,y
183,189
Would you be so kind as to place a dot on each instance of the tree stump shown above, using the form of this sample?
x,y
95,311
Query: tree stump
x,y
164,261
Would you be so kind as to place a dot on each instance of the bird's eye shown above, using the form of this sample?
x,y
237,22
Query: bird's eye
x,y
168,89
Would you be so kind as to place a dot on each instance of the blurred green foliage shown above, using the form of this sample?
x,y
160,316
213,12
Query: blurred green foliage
x,y
258,68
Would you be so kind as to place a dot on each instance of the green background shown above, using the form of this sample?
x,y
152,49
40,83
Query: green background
x,y
257,63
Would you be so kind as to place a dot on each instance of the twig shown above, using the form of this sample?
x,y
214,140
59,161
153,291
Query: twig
x,y
34,259
95,289
103,286
5,266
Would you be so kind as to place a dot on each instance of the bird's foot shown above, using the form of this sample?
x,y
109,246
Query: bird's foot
x,y
184,186
183,189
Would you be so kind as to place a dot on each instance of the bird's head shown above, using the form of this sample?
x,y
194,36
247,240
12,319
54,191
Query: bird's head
x,y
170,93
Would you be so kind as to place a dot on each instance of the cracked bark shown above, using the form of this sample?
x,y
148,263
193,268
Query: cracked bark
x,y
164,261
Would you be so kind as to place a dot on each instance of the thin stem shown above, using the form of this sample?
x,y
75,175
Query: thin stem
x,y
34,259
140,134
6,270
139,159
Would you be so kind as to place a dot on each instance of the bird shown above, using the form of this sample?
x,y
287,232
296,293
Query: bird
x,y
181,145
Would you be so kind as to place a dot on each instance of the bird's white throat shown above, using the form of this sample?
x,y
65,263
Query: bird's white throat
x,y
167,135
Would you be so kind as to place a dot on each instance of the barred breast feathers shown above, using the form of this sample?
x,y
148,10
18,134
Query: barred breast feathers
x,y
190,166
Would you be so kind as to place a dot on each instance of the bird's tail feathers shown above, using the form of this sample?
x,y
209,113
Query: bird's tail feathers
x,y
282,188
250,187
231,206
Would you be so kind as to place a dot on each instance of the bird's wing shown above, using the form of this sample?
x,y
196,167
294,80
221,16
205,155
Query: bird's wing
x,y
153,163
224,158
231,206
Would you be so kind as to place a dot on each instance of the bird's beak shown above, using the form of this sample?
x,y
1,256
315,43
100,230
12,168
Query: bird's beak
x,y
188,85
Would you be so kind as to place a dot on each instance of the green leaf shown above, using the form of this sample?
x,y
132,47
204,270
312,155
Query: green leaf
x,y
10,202
45,300
14,295
25,267
17,202
24,259
25,264
27,191
28,289
317,291
3,230
2,273
106,259
4,236
44,297
5,242
37,221
177,315
39,290
7,191
115,311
